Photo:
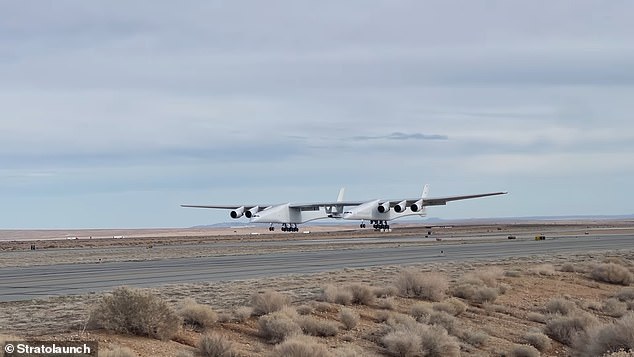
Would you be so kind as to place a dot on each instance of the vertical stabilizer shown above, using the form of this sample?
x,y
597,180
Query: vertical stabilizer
x,y
340,196
423,211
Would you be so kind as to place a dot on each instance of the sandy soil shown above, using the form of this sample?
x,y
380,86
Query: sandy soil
x,y
506,321
529,284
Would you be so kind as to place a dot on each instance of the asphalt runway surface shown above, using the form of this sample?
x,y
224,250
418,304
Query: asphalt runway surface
x,y
64,279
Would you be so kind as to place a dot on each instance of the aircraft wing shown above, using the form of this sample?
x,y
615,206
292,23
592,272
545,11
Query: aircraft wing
x,y
325,204
441,201
226,206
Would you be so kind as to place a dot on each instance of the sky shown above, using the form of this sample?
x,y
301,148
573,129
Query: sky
x,y
113,113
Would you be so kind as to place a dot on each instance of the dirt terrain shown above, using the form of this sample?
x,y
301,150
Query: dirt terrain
x,y
525,287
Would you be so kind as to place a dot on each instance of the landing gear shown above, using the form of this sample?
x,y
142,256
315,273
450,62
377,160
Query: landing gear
x,y
362,225
271,228
289,227
382,226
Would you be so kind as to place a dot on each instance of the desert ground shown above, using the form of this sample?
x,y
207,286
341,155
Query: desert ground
x,y
550,305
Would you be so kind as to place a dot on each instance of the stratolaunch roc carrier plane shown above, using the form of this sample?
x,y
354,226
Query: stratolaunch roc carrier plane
x,y
378,211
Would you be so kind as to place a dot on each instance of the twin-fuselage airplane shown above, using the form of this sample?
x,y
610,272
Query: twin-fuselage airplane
x,y
378,211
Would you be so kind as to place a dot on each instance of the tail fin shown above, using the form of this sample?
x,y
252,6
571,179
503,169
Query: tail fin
x,y
340,196
423,211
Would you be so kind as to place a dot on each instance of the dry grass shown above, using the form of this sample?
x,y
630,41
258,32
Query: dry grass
x,y
444,320
523,351
411,283
612,273
300,346
568,268
318,327
362,294
135,312
420,312
560,306
267,302
304,309
625,294
337,295
475,338
614,308
197,316
566,329
538,340
242,313
278,326
609,338
117,352
505,322
544,269
349,318
402,343
451,306
216,345
476,294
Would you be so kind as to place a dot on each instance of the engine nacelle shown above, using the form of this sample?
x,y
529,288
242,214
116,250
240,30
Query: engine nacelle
x,y
417,206
400,207
237,213
383,207
249,213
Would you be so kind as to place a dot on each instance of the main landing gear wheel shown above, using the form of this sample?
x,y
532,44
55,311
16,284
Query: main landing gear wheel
x,y
362,225
290,227
382,226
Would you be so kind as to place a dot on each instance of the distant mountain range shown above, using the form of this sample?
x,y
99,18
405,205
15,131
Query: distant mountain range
x,y
436,220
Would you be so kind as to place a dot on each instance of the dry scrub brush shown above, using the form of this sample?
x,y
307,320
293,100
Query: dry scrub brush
x,y
135,312
300,346
360,294
538,340
216,345
452,306
349,318
411,283
613,307
566,329
337,295
480,286
524,351
612,273
278,326
560,306
197,316
318,327
608,338
267,302
420,312
414,339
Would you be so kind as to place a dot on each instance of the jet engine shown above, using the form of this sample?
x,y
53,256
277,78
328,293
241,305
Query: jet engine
x,y
383,207
237,213
400,207
249,213
416,206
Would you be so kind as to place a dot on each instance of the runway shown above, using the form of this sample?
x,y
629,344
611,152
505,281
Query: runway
x,y
63,279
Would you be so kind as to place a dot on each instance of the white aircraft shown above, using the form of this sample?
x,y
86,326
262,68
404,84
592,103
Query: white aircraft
x,y
379,212
288,214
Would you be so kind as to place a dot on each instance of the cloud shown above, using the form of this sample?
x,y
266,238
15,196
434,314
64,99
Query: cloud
x,y
402,136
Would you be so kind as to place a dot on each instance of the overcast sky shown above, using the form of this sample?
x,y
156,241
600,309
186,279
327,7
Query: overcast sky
x,y
114,113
